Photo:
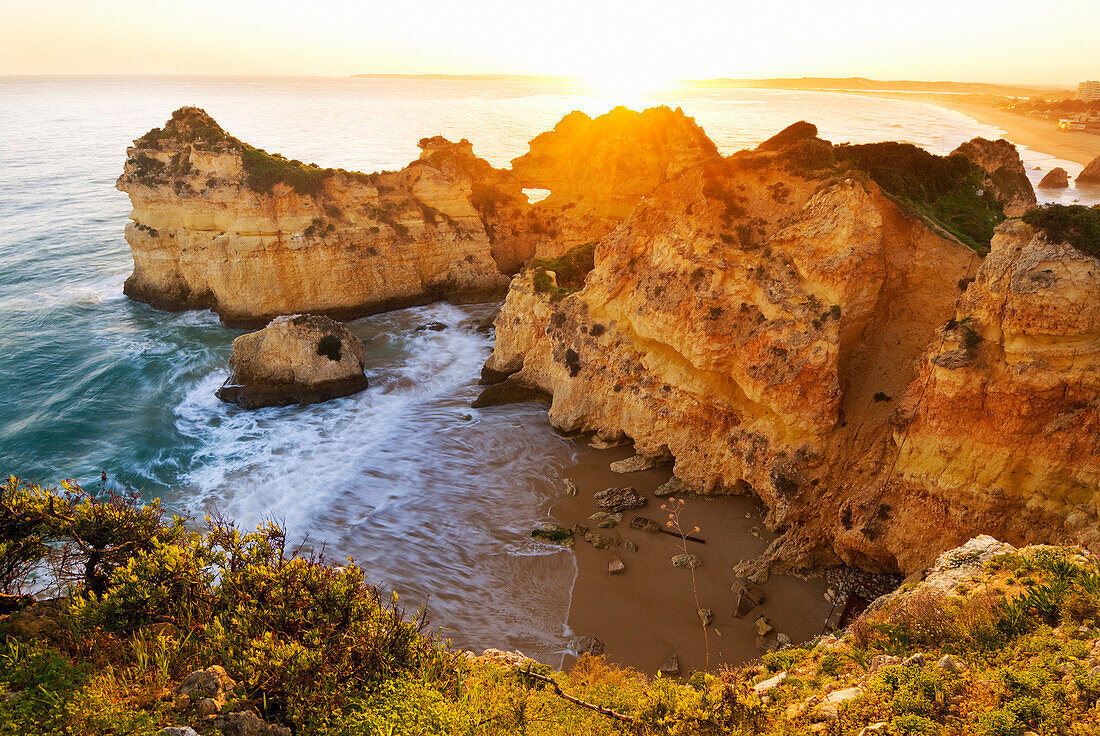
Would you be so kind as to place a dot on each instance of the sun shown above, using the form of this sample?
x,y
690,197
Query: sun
x,y
633,87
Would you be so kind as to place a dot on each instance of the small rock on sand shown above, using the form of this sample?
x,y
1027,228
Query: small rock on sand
x,y
638,463
762,626
605,520
615,566
705,615
746,596
588,645
601,443
600,541
670,487
620,499
686,561
671,667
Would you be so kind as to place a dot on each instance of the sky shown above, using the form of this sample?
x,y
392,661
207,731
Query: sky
x,y
641,41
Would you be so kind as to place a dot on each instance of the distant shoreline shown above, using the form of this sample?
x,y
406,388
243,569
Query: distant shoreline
x,y
1037,134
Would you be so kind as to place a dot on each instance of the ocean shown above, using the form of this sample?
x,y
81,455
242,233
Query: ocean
x,y
435,499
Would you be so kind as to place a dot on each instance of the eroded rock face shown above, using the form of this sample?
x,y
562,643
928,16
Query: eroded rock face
x,y
1013,436
753,319
1007,177
298,359
218,224
1091,173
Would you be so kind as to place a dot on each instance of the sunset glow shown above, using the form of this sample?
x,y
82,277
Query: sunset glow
x,y
623,47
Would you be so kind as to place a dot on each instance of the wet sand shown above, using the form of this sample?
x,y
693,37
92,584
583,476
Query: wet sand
x,y
648,612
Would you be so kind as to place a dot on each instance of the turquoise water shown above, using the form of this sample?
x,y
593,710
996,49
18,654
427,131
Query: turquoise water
x,y
431,495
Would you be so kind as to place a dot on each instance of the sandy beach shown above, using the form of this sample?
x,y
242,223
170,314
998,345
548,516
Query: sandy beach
x,y
648,612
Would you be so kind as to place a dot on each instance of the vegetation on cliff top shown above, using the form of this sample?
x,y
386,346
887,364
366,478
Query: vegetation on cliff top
x,y
947,190
264,170
1074,224
569,269
149,599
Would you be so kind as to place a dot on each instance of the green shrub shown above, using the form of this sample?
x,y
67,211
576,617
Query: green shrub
x,y
570,270
914,725
1074,224
947,190
264,170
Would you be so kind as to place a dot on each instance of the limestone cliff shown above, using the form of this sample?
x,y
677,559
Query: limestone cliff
x,y
217,223
759,317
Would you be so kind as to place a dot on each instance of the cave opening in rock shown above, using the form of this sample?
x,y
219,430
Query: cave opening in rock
x,y
329,346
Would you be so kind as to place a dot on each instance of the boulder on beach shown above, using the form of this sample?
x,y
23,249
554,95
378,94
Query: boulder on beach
x,y
296,359
746,596
1091,173
1056,178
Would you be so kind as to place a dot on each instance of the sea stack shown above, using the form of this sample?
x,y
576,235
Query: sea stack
x,y
297,359
1091,174
1056,178
1006,175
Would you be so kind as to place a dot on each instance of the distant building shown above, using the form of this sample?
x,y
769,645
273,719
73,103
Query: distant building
x,y
1088,91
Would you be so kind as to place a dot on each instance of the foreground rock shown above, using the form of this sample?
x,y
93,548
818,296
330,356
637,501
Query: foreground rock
x,y
299,359
1091,173
1056,178
745,316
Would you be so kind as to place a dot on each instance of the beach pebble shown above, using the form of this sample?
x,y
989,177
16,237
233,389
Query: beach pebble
x,y
615,566
620,499
687,561
630,546
570,488
705,615
783,639
762,626
671,667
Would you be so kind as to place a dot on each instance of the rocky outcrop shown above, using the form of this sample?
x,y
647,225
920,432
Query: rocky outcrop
x,y
1007,177
299,359
1091,173
219,224
1056,178
763,318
